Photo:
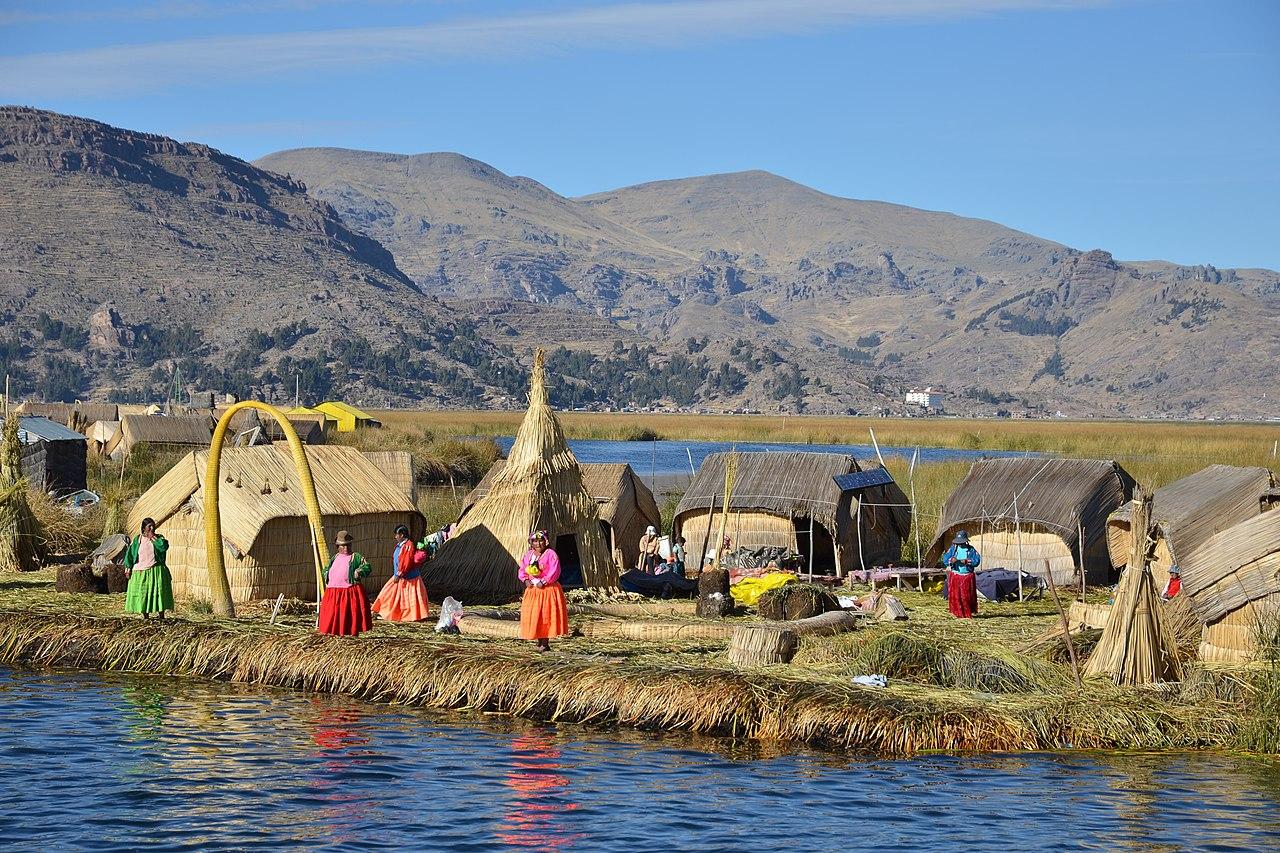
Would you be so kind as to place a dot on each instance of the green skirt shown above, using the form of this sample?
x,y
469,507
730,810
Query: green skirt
x,y
150,591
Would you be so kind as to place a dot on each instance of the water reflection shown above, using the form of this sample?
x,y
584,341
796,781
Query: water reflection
x,y
125,762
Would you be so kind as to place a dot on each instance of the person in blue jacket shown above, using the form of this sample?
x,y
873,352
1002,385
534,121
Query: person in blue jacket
x,y
962,560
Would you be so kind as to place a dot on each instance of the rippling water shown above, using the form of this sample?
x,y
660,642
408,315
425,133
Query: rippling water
x,y
117,763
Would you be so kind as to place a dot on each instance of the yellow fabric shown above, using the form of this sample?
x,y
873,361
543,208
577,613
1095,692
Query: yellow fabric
x,y
747,591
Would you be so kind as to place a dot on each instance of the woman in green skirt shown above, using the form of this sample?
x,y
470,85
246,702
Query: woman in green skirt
x,y
150,585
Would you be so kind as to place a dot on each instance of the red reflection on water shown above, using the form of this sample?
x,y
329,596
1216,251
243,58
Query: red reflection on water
x,y
534,818
337,731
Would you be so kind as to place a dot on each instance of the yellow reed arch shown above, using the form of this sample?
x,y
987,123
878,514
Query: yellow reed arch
x,y
219,586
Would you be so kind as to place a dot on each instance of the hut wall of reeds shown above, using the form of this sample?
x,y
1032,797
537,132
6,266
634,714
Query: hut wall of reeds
x,y
159,431
1056,499
396,466
54,457
540,488
625,504
63,413
774,497
1189,511
267,539
1232,581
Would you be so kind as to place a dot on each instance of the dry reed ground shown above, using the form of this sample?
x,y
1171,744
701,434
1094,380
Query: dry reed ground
x,y
954,685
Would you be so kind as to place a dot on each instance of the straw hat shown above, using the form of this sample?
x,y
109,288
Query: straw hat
x,y
344,538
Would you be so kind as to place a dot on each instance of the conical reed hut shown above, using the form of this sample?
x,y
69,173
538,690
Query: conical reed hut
x,y
540,488
1136,646
21,542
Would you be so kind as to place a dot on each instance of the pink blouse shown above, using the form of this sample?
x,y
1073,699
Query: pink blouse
x,y
548,567
339,572
146,554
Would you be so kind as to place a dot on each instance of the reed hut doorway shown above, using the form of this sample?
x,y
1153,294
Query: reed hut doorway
x,y
822,548
570,561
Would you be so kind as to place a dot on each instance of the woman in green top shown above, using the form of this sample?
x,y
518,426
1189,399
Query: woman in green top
x,y
150,584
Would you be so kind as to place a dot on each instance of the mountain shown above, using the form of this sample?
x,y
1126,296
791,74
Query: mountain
x,y
849,301
125,255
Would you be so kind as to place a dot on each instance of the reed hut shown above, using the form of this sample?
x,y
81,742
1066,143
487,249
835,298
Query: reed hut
x,y
540,488
160,432
64,413
625,504
397,466
1186,512
54,457
1232,582
266,535
792,501
1031,513
310,428
100,434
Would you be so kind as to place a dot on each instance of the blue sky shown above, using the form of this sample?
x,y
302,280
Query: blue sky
x,y
1150,129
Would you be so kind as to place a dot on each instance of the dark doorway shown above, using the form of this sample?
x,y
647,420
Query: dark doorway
x,y
570,562
823,548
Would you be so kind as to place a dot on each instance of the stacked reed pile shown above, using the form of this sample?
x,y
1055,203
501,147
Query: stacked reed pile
x,y
22,547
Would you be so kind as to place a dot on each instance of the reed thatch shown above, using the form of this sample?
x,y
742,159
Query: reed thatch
x,y
159,431
21,540
541,488
1187,512
64,413
310,428
267,537
774,497
762,645
1137,646
1231,581
625,504
396,466
1056,500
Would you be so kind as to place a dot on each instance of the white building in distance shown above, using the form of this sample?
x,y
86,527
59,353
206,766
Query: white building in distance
x,y
930,398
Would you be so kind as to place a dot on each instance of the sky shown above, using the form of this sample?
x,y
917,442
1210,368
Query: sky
x,y
1150,129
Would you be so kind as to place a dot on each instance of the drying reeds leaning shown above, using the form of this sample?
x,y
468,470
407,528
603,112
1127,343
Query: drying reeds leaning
x,y
540,488
1136,646
21,541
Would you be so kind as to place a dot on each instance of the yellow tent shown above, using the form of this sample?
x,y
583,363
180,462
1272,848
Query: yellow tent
x,y
349,418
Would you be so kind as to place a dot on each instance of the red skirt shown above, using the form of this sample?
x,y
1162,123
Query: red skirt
x,y
344,611
962,595
543,613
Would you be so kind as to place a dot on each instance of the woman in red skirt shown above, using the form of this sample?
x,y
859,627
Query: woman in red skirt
x,y
962,588
543,611
344,610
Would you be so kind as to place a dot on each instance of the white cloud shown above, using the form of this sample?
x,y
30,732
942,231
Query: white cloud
x,y
128,69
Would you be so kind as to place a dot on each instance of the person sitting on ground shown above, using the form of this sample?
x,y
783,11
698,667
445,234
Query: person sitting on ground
x,y
544,613
961,560
150,587
649,543
1174,586
344,610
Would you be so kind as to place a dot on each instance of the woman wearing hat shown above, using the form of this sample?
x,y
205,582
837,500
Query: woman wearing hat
x,y
649,543
344,610
962,559
150,587
404,597
543,611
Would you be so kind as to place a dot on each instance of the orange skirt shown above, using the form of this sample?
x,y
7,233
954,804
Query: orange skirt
x,y
543,613
402,601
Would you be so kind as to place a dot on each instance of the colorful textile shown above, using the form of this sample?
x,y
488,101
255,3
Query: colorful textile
x,y
150,587
544,570
543,611
962,594
407,560
747,591
403,600
344,611
1172,588
356,567
962,559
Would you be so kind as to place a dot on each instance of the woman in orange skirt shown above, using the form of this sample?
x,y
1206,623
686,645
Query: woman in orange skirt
x,y
543,611
404,597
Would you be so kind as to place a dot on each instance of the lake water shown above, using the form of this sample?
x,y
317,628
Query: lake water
x,y
666,458
112,762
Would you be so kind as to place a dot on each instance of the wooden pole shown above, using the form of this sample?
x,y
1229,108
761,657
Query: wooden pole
x,y
811,546
1080,555
862,560
711,514
915,521
1066,627
1017,526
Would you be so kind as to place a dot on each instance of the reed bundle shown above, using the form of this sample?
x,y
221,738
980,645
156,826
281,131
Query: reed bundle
x,y
796,601
762,645
21,539
655,629
627,610
484,626
1136,645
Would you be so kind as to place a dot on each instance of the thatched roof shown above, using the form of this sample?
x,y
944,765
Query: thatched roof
x,y
793,483
310,428
622,500
264,485
539,488
61,412
397,466
1186,512
195,431
1056,495
1233,567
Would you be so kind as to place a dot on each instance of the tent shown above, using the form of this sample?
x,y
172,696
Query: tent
x,y
1029,513
348,418
791,500
267,537
624,502
541,488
